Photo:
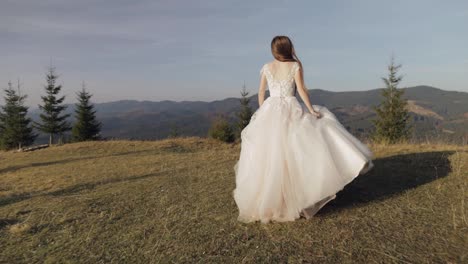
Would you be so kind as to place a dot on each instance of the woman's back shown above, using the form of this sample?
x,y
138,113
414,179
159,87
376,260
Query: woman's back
x,y
280,69
280,77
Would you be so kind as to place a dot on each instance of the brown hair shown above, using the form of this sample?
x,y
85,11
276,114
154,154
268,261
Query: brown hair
x,y
282,49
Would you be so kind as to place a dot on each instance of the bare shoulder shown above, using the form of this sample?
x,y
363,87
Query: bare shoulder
x,y
268,65
265,64
297,70
297,65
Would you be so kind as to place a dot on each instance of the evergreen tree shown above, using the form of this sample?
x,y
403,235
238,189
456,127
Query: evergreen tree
x,y
221,130
15,126
392,122
1,129
86,126
53,122
245,112
175,131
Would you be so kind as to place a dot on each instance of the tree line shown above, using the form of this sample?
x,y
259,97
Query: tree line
x,y
391,125
17,130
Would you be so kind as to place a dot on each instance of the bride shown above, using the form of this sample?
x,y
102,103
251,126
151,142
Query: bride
x,y
294,157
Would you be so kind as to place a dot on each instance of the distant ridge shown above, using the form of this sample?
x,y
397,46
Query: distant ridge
x,y
434,111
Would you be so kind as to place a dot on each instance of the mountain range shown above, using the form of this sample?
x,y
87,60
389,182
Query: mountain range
x,y
436,114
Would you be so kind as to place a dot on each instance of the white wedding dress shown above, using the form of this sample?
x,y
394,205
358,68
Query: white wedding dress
x,y
292,161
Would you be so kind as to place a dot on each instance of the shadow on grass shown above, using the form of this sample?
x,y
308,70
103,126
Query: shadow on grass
x,y
391,176
7,222
73,189
89,186
64,161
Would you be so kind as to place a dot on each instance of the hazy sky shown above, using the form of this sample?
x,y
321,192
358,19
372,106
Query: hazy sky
x,y
205,50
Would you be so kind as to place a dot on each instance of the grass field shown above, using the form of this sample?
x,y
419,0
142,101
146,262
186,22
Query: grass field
x,y
170,201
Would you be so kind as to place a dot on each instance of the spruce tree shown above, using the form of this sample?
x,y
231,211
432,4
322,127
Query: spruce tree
x,y
53,121
174,131
1,129
245,112
221,130
392,122
1,133
86,126
15,126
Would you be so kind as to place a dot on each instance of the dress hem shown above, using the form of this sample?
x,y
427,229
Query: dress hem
x,y
312,210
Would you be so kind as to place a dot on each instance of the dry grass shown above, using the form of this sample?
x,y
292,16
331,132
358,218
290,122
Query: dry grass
x,y
19,228
170,201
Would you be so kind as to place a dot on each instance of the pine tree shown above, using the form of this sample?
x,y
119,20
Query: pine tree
x,y
1,133
392,122
86,126
53,122
15,126
1,129
221,130
245,112
174,131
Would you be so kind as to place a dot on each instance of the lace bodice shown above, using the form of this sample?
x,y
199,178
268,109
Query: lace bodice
x,y
281,88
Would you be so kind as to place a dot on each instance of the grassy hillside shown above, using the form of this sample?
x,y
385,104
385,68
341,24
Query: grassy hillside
x,y
171,201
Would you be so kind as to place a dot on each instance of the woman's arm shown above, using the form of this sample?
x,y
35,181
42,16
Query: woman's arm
x,y
299,78
261,89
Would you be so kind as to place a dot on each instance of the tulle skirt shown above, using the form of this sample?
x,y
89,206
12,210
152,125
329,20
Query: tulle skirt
x,y
290,160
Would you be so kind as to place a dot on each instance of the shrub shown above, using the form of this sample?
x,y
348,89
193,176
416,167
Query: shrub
x,y
221,130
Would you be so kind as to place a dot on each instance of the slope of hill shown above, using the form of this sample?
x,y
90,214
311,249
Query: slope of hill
x,y
171,201
436,113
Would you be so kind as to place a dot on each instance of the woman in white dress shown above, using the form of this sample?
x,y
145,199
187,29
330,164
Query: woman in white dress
x,y
294,157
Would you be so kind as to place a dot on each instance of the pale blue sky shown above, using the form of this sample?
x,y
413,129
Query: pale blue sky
x,y
205,50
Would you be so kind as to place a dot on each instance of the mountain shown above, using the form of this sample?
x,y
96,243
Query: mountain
x,y
437,114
